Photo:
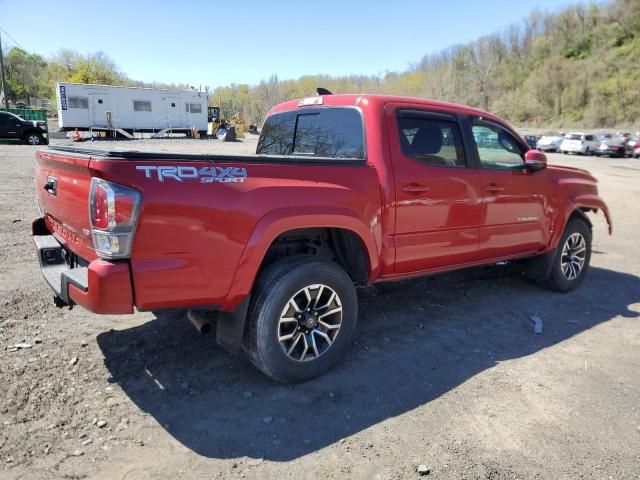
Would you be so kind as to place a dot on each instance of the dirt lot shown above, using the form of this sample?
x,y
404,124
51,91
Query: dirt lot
x,y
445,371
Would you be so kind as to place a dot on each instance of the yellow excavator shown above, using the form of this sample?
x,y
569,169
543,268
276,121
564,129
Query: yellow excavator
x,y
226,129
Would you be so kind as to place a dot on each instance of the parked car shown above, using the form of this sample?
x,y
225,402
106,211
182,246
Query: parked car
x,y
603,136
631,143
612,148
13,127
581,143
549,143
344,191
532,140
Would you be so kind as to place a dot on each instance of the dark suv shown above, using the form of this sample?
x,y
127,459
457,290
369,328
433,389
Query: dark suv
x,y
13,127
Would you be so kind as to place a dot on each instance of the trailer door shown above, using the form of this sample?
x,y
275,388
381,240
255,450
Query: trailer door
x,y
176,112
99,104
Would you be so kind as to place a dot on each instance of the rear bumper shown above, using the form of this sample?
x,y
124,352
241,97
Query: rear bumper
x,y
610,152
99,286
573,148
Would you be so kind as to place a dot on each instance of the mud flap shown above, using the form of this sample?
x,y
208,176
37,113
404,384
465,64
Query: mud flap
x,y
230,326
539,268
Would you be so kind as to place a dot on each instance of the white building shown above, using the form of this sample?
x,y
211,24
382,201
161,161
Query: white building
x,y
129,109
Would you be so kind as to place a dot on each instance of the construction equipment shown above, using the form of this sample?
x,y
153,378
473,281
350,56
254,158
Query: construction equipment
x,y
226,129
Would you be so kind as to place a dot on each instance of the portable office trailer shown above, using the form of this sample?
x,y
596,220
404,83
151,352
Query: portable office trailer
x,y
103,107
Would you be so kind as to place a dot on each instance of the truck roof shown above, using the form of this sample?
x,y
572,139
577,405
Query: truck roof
x,y
354,99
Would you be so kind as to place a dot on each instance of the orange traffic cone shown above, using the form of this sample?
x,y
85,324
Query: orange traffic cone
x,y
76,136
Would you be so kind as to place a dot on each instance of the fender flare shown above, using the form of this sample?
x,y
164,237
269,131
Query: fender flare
x,y
281,220
539,267
575,205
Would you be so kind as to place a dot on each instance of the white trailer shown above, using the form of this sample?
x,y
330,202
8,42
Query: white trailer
x,y
89,107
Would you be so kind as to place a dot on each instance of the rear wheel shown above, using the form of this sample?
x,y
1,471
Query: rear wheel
x,y
301,320
572,257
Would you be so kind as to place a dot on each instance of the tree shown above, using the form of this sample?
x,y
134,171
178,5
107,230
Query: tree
x,y
24,72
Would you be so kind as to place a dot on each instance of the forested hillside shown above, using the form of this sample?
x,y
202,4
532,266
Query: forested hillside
x,y
577,66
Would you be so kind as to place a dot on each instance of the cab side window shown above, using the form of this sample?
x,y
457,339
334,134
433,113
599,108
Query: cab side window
x,y
432,141
497,148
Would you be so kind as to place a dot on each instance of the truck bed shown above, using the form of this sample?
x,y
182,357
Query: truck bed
x,y
200,214
138,155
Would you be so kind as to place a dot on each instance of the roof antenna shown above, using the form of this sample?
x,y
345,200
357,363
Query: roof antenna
x,y
323,91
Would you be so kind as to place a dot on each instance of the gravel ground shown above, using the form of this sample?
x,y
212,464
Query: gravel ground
x,y
444,372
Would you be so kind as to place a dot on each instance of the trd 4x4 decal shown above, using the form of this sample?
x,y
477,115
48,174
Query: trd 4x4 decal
x,y
205,174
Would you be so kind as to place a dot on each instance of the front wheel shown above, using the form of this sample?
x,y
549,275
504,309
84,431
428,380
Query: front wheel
x,y
301,320
572,257
34,139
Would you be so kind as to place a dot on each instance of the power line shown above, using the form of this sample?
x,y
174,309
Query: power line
x,y
12,39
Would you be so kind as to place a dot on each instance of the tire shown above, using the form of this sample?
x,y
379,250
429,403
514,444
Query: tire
x,y
34,138
562,277
281,345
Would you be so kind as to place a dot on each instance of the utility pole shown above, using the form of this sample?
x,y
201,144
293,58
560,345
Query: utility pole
x,y
4,82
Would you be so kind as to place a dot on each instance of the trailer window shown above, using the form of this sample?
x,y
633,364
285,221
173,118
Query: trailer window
x,y
141,106
78,102
193,107
318,132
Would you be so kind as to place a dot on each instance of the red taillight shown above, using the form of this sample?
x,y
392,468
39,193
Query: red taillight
x,y
100,207
113,210
125,206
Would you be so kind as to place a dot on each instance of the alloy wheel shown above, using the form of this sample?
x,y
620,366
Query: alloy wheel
x,y
310,322
574,253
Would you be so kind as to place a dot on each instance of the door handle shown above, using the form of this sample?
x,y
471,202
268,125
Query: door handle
x,y
493,188
415,188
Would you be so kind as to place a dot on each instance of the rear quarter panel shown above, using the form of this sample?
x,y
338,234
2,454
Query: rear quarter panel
x,y
191,236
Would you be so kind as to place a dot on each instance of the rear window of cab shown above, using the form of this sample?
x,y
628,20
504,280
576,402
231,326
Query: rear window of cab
x,y
326,132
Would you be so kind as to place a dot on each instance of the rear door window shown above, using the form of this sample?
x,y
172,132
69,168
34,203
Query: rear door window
x,y
314,132
432,141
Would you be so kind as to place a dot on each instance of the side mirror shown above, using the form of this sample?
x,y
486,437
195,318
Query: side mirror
x,y
535,160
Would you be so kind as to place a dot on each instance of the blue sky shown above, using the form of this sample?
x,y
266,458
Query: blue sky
x,y
194,42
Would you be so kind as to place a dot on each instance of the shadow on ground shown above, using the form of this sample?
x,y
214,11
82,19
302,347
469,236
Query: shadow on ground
x,y
415,341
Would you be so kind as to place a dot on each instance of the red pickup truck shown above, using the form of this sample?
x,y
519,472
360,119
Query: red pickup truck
x,y
344,191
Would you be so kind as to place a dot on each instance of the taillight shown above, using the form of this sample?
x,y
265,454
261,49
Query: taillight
x,y
113,210
100,205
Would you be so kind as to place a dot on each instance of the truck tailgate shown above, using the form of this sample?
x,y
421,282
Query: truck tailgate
x,y
62,187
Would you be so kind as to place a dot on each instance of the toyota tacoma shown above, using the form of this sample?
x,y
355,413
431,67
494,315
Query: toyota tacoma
x,y
343,191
